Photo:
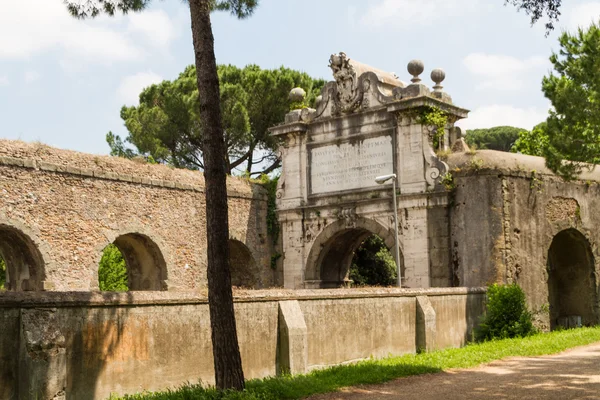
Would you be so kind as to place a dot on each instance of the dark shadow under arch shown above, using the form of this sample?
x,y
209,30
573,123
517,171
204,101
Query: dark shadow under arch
x,y
331,254
25,267
571,280
241,264
146,266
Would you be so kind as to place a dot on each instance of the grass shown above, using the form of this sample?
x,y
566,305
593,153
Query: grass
x,y
378,371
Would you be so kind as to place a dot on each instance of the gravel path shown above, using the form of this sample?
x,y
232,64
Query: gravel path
x,y
573,374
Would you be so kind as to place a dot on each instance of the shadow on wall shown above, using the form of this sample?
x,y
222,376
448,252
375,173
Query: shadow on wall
x,y
42,359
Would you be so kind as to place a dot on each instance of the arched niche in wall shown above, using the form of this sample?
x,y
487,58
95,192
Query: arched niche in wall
x,y
24,264
146,266
572,291
241,264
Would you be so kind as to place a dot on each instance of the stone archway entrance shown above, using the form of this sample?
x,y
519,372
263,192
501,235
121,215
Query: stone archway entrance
x,y
146,267
330,257
571,280
24,262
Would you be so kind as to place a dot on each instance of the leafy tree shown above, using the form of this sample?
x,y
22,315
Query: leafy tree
x,y
499,138
166,127
532,142
573,124
226,353
2,273
112,273
537,8
506,314
373,264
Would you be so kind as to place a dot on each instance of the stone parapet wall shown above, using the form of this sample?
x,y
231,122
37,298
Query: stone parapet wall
x,y
92,344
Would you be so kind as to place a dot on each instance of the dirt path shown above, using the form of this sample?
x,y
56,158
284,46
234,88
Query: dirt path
x,y
574,374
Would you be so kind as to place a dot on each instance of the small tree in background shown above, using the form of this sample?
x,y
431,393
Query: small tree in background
x,y
112,273
532,142
373,264
501,138
506,314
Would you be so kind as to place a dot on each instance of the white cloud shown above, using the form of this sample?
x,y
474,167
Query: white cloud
x,y
583,15
497,115
505,73
131,86
4,80
155,25
415,12
28,27
31,76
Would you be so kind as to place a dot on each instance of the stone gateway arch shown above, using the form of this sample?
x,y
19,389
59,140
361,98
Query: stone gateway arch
x,y
366,123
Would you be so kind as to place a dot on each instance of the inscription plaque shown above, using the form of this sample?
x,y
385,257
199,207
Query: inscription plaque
x,y
350,166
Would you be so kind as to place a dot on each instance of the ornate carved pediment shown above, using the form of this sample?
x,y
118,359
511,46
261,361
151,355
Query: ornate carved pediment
x,y
356,86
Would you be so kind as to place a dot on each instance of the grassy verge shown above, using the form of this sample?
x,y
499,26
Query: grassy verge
x,y
378,371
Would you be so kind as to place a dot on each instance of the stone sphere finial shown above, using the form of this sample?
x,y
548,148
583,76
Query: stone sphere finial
x,y
438,75
415,68
297,95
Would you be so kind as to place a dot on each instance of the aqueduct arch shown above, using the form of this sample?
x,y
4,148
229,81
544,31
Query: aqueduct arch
x,y
332,251
572,291
242,265
25,267
146,266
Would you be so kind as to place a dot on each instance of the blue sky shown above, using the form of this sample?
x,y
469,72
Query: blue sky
x,y
63,81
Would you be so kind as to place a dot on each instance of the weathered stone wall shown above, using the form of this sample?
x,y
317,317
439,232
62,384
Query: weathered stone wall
x,y
68,206
507,211
92,344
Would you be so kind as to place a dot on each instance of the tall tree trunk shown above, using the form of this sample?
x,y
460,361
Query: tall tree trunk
x,y
226,352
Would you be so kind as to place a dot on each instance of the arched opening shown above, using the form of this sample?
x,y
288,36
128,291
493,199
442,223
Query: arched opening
x,y
146,267
571,280
331,256
112,273
241,264
23,262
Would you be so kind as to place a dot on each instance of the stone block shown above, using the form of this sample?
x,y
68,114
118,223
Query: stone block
x,y
43,356
293,341
426,325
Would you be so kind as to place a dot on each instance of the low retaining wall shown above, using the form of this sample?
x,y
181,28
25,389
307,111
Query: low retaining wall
x,y
89,345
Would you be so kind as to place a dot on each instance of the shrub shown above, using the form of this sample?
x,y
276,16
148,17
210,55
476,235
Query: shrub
x,y
506,314
373,264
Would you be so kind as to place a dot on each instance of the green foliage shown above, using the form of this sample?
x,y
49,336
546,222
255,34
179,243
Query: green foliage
x,y
499,138
433,116
84,9
448,181
378,371
573,124
373,264
506,314
112,273
537,8
2,273
166,125
532,142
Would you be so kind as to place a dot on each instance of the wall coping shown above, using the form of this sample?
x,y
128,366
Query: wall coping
x,y
511,164
41,158
104,299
